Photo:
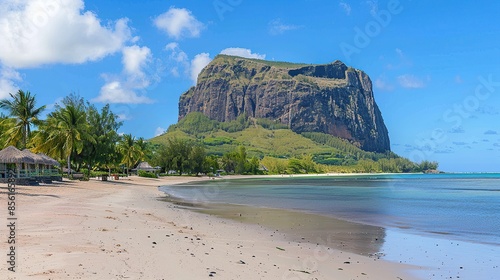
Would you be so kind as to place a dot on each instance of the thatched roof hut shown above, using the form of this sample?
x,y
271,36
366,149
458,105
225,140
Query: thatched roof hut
x,y
38,159
144,166
12,155
49,159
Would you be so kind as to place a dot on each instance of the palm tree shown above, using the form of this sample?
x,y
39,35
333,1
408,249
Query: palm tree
x,y
65,133
23,109
129,151
142,149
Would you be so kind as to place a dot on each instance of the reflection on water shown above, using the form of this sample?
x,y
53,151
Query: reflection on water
x,y
462,206
446,224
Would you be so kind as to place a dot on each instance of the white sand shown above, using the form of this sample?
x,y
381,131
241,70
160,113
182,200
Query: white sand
x,y
120,230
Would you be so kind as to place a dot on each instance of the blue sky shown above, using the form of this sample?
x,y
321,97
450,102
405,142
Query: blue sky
x,y
433,64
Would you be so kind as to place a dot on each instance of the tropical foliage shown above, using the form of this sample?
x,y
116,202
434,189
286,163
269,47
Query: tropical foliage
x,y
24,115
66,131
180,155
84,137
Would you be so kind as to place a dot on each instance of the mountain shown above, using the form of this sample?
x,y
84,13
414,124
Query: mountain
x,y
332,98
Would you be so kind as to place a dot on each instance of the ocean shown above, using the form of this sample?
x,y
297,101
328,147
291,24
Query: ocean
x,y
405,213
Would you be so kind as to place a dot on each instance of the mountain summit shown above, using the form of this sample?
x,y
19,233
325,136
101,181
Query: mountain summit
x,y
331,98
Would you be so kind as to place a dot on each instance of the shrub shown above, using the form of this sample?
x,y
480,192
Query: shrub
x,y
146,174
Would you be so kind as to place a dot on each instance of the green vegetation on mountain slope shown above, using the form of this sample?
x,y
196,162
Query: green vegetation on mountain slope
x,y
273,143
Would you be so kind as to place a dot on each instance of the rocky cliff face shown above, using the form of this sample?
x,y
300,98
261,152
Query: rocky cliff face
x,y
333,98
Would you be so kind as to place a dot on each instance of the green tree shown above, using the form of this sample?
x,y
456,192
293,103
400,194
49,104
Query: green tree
x,y
180,152
241,160
23,109
274,165
428,165
295,166
65,133
142,149
103,126
308,164
162,157
197,158
177,155
129,151
253,166
367,165
5,124
235,161
210,164
229,162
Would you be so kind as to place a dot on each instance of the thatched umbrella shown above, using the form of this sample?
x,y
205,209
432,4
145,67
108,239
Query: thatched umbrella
x,y
12,155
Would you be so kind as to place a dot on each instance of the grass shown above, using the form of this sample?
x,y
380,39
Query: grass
x,y
278,64
257,140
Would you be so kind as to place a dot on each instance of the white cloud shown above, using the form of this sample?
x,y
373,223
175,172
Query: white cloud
x,y
179,57
410,81
243,53
458,79
190,68
277,27
159,131
198,63
123,88
34,33
176,53
114,91
135,59
179,22
346,7
8,81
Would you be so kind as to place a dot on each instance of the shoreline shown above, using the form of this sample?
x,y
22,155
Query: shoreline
x,y
119,229
437,254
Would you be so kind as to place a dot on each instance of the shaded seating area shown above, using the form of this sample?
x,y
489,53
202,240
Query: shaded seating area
x,y
27,168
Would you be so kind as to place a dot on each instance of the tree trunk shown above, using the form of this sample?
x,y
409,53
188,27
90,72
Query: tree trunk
x,y
69,165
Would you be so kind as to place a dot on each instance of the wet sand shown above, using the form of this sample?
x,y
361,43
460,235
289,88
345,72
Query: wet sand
x,y
303,227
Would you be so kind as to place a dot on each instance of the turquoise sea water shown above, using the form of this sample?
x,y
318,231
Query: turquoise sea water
x,y
462,206
446,225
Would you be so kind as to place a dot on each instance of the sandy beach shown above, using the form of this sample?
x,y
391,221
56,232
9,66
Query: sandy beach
x,y
121,230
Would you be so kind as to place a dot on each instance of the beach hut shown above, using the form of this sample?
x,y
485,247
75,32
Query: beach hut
x,y
43,168
34,169
144,166
50,161
12,156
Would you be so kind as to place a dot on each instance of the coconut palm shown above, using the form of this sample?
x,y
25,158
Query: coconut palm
x,y
127,147
23,109
65,133
142,149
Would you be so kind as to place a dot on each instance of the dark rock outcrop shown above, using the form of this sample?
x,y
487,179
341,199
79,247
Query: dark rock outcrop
x,y
333,98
